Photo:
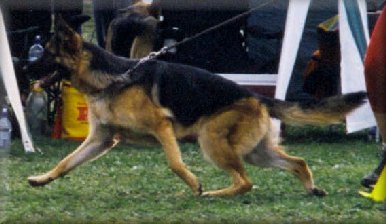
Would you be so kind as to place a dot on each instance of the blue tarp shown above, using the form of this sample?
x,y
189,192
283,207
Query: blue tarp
x,y
356,26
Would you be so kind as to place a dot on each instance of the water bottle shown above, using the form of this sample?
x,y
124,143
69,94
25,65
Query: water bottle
x,y
5,131
36,50
36,112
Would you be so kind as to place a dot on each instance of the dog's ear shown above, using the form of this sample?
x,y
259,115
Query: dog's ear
x,y
75,22
62,29
66,38
155,9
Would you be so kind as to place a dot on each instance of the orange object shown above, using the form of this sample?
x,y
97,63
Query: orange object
x,y
57,129
375,66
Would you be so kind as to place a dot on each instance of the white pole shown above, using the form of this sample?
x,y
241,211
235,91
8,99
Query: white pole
x,y
8,73
352,69
295,21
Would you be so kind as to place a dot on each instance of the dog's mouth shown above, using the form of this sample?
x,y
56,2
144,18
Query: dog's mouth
x,y
48,80
47,72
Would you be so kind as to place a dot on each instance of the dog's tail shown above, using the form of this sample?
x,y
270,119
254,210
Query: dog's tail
x,y
331,110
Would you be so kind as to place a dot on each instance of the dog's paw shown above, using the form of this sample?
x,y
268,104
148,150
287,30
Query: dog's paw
x,y
198,191
36,181
206,194
318,192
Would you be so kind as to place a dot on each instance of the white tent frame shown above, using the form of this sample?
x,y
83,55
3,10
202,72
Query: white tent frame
x,y
8,74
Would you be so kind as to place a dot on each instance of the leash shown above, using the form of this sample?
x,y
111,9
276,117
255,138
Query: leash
x,y
164,50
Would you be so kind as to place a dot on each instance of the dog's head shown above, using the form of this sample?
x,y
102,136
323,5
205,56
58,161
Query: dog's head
x,y
61,53
140,7
137,18
65,46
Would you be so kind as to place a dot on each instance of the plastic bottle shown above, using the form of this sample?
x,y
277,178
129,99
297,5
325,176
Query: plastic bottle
x,y
36,50
5,131
36,112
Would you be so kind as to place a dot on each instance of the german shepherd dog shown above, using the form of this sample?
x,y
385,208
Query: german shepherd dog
x,y
168,101
133,32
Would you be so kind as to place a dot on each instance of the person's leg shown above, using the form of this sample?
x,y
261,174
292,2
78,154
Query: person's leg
x,y
101,10
375,74
371,178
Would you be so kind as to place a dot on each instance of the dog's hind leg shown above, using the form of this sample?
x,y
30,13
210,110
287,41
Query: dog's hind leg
x,y
217,149
165,135
97,143
270,154
226,137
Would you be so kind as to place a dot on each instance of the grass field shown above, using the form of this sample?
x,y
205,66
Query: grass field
x,y
134,185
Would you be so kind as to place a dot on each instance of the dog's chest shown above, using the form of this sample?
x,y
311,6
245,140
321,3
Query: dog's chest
x,y
132,109
100,111
106,112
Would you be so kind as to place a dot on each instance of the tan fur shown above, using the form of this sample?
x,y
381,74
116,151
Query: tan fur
x,y
240,131
331,110
144,44
295,116
109,37
141,7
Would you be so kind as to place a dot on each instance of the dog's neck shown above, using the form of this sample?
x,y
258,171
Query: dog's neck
x,y
98,69
106,62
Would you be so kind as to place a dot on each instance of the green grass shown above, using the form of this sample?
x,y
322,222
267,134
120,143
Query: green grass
x,y
134,184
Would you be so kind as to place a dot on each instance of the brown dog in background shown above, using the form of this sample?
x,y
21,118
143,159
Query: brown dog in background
x,y
133,32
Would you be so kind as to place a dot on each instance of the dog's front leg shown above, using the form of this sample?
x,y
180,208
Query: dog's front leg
x,y
97,143
165,135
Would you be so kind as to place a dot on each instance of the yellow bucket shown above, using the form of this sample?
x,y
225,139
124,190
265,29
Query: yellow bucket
x,y
74,116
